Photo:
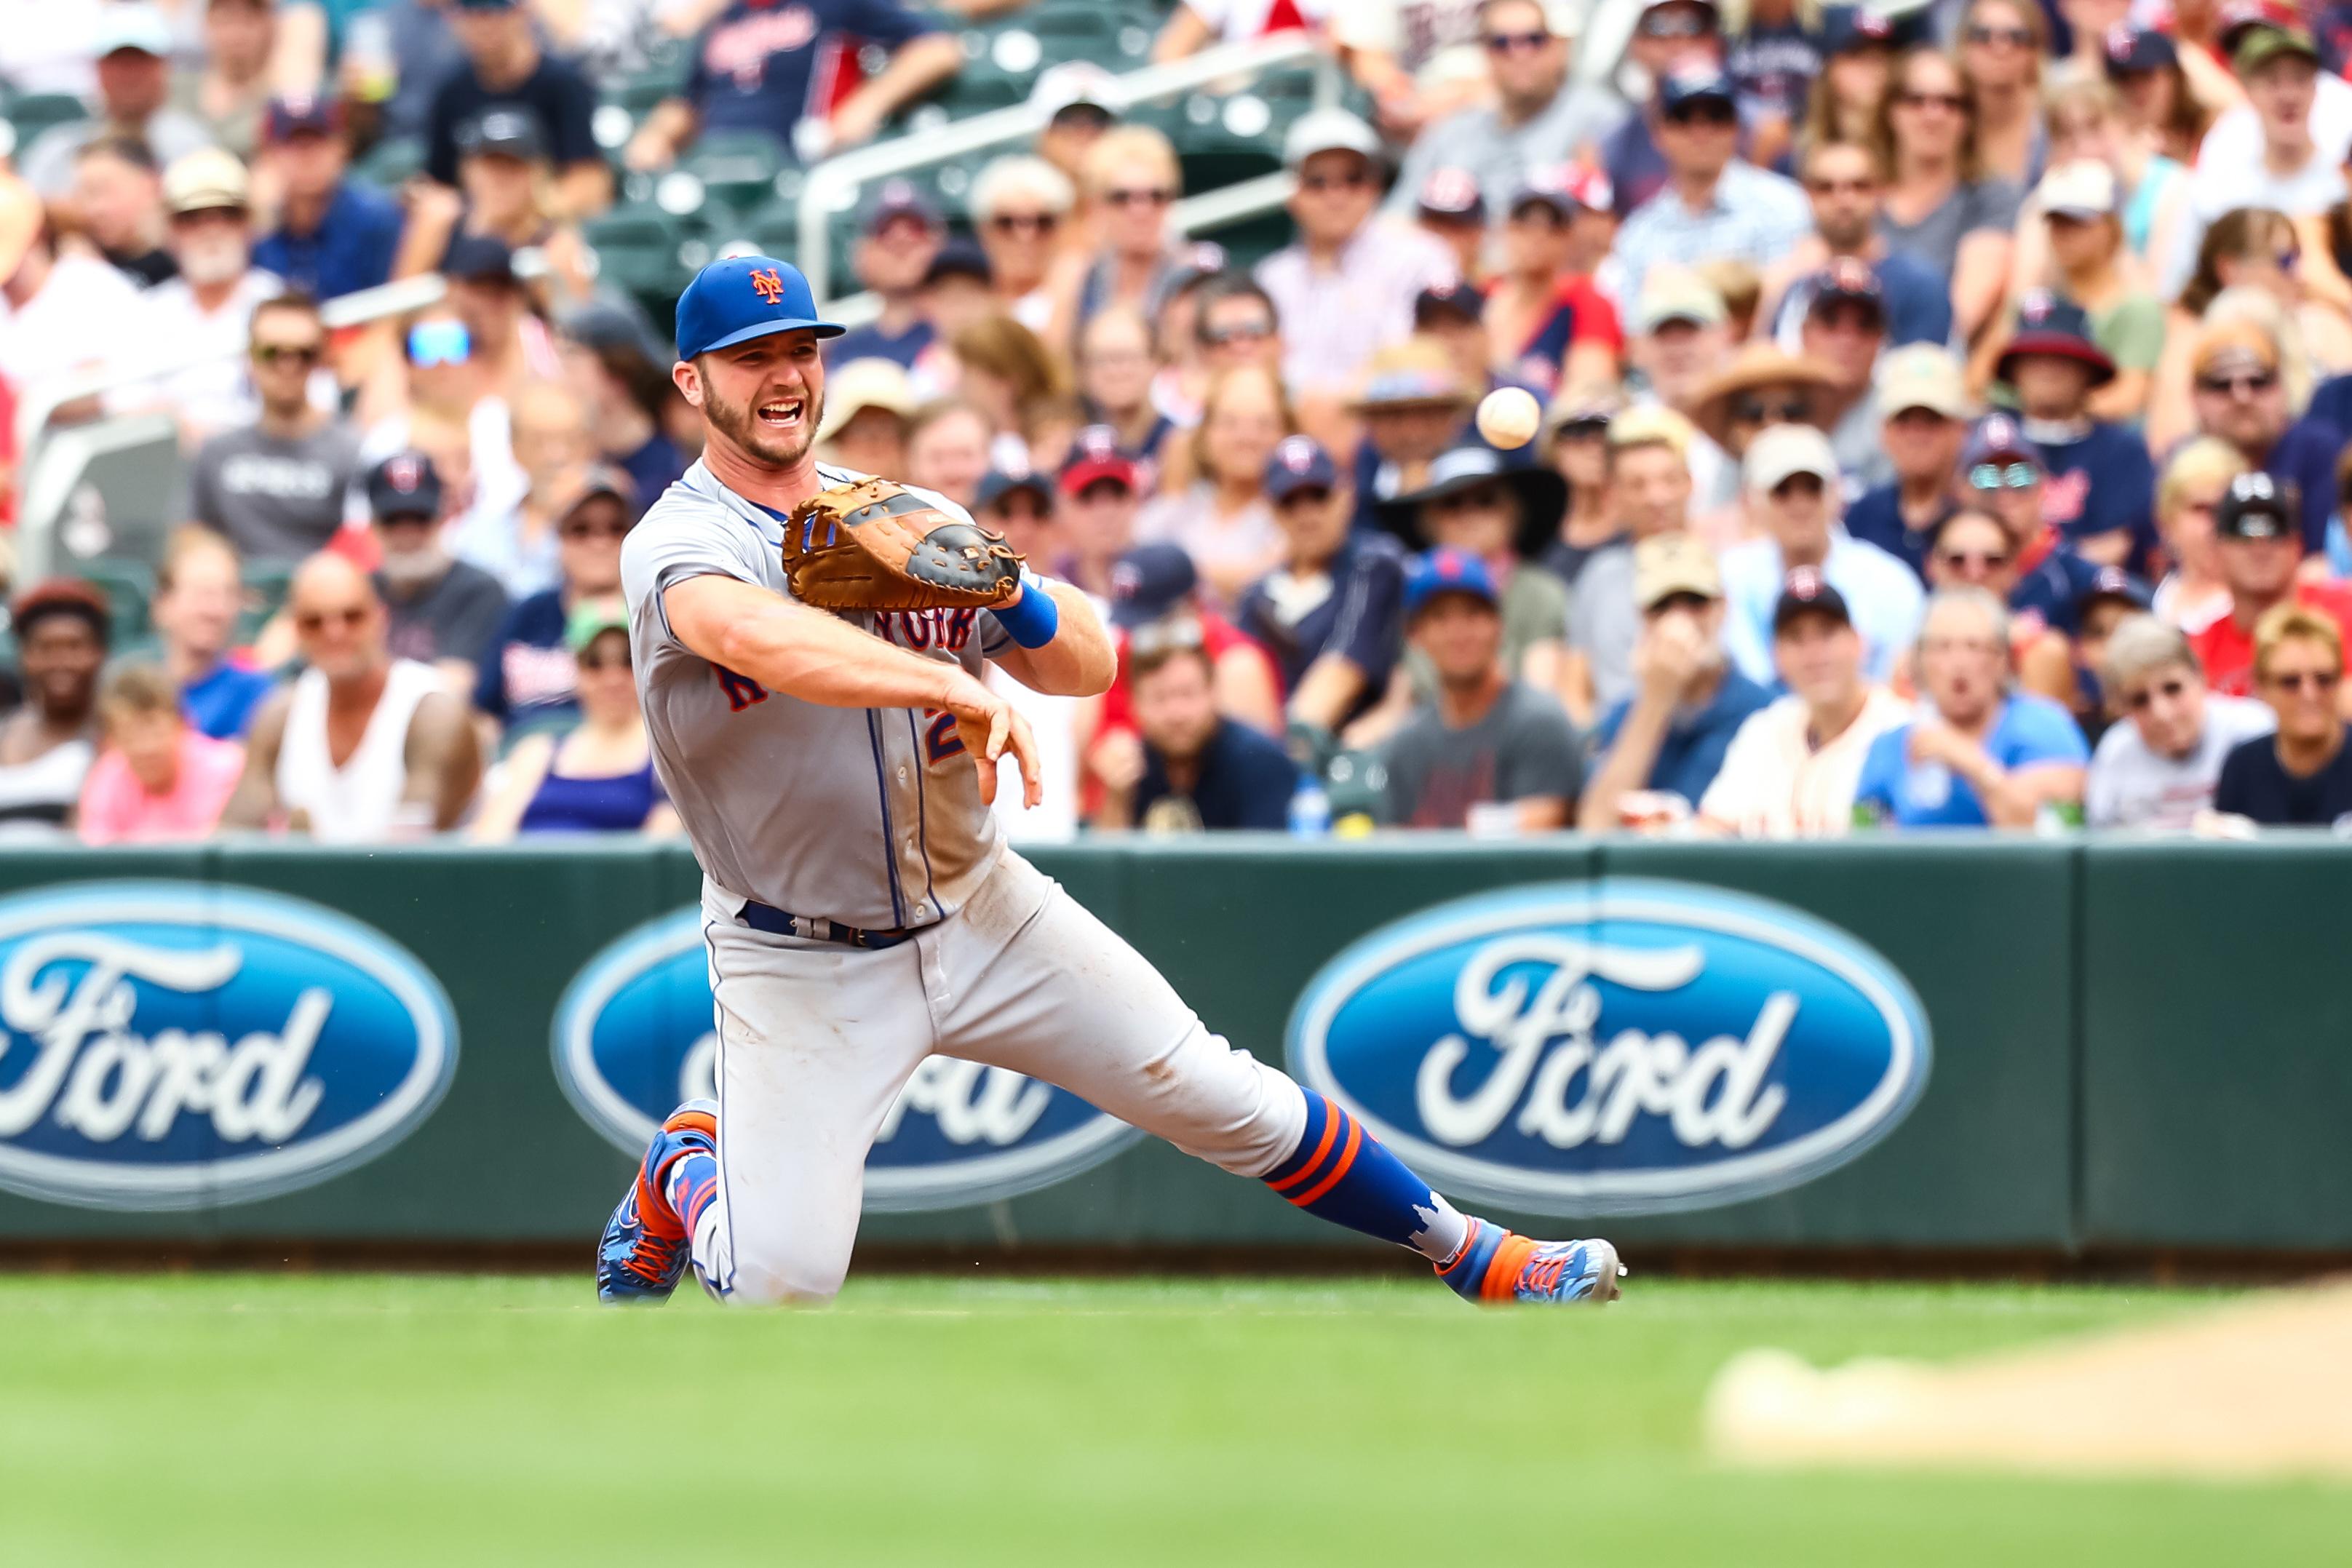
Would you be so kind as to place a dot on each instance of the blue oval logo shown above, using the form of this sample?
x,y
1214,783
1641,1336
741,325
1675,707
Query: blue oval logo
x,y
1615,1047
164,1045
633,1037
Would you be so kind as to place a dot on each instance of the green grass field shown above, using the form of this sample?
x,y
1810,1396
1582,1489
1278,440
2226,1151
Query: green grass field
x,y
169,1420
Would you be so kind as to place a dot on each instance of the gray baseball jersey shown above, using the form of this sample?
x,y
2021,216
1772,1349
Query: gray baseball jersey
x,y
869,816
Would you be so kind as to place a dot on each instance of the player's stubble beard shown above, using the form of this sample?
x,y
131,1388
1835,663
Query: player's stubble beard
x,y
770,448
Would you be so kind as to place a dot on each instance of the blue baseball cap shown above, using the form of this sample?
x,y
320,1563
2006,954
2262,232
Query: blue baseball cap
x,y
1298,462
999,482
1148,582
1696,83
1448,570
742,298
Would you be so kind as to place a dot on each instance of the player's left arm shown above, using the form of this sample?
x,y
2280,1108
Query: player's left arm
x,y
1077,661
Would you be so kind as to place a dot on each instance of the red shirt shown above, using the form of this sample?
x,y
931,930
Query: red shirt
x,y
1219,637
2228,653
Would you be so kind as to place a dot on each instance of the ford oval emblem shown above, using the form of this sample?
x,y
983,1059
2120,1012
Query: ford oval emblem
x,y
633,1037
1616,1046
165,1045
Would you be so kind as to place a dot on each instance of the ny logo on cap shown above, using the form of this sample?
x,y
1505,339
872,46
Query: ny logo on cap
x,y
769,283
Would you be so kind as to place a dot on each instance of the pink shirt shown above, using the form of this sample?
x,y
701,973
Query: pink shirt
x,y
116,809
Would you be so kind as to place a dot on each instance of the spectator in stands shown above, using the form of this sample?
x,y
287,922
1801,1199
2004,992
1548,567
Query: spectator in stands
x,y
2302,775
1791,768
1844,326
1019,203
1660,748
1195,25
2159,769
1942,206
1221,519
1449,208
364,747
1345,287
1842,182
1236,325
46,746
596,774
2259,545
1101,487
444,402
1981,753
2280,166
1420,61
1130,184
2187,496
1540,117
2249,269
901,234
759,70
132,42
1774,60
1453,315
1715,205
1006,370
1681,344
505,191
198,598
516,543
1926,407
335,235
1153,584
2003,47
1414,403
279,489
2099,486
513,344
1793,491
948,448
1076,98
1669,36
119,196
1486,752
2082,207
2155,105
439,612
868,405
1018,504
1575,444
1857,65
1505,514
506,68
1182,378
1543,331
1185,766
228,96
1650,487
1116,365
2240,396
621,384
959,288
2000,472
527,678
1761,384
418,52
209,307
160,780
1328,613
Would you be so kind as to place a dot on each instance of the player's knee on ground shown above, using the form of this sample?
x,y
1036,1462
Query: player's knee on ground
x,y
769,1265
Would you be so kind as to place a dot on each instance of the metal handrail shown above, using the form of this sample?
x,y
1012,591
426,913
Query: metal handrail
x,y
832,185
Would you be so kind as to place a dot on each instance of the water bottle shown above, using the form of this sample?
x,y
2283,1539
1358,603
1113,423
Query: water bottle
x,y
1311,810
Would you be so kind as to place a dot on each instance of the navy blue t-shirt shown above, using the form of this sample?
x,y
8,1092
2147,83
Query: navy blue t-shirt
x,y
2052,588
528,674
761,65
556,93
2307,453
653,468
1362,617
1692,753
2331,401
2104,481
1247,781
1772,66
349,250
1637,170
870,342
1877,519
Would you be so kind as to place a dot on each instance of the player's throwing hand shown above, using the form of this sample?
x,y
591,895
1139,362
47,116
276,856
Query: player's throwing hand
x,y
989,727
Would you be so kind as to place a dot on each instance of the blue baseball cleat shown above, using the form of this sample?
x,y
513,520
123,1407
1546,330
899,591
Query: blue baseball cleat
x,y
1497,1265
645,1248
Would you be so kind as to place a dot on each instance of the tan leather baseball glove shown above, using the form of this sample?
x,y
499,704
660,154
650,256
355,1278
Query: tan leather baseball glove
x,y
876,545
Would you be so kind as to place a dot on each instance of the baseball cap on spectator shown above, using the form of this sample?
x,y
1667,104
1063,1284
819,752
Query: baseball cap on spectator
x,y
1414,373
2113,582
1808,593
1076,84
1696,83
2131,50
479,258
207,180
1847,29
2258,507
1195,264
1676,293
1654,424
592,618
899,199
2083,188
999,482
1451,194
61,596
2241,18
1846,281
1540,493
2238,345
302,114
1298,462
1094,455
2052,325
1780,452
596,479
1667,564
1148,582
1579,409
503,132
1330,130
2265,42
862,384
1651,8
1923,375
131,26
1448,570
743,297
1546,188
1998,439
405,484
1453,297
960,258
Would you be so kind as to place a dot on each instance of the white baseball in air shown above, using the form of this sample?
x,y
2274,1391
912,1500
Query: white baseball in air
x,y
1508,417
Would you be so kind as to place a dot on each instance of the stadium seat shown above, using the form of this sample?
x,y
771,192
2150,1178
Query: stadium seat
x,y
738,169
130,587
38,112
390,165
264,595
639,250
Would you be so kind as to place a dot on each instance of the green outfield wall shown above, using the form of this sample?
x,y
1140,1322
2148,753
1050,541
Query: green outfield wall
x,y
2134,1045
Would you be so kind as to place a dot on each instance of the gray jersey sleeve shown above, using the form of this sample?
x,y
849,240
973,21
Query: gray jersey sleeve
x,y
683,542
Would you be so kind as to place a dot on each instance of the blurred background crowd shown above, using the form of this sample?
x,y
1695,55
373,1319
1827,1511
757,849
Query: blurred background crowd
x,y
1945,405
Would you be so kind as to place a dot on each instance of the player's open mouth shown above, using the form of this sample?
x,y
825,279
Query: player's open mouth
x,y
781,413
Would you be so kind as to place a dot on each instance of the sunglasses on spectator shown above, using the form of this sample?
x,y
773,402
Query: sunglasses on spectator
x,y
2015,37
617,660
439,344
1707,112
1663,24
281,353
1353,179
578,529
1756,411
1515,43
1139,196
1023,511
1023,223
351,619
1238,332
1956,102
1973,560
2137,701
2303,680
2231,386
2004,476
1859,187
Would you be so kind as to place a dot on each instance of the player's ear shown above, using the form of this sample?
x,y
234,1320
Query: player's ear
x,y
688,378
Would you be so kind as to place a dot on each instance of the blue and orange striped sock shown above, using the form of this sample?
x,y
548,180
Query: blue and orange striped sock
x,y
1342,1174
689,1184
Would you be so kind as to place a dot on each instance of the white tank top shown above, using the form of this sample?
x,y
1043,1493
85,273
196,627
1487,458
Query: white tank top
x,y
353,804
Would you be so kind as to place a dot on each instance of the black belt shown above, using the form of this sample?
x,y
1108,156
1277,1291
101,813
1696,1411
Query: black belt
x,y
776,923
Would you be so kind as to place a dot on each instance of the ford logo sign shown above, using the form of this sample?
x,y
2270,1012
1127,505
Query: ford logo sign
x,y
164,1045
633,1037
1615,1047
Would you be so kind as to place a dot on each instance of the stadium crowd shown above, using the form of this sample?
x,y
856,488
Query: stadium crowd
x,y
1948,410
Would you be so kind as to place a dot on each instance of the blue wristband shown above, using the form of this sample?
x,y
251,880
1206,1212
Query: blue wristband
x,y
1033,621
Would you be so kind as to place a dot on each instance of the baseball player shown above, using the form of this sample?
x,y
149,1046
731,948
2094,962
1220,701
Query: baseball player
x,y
833,762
